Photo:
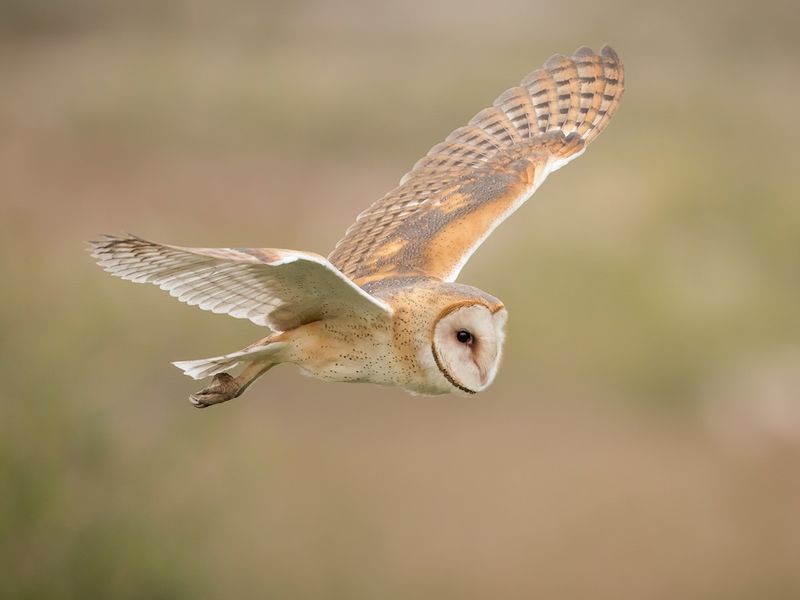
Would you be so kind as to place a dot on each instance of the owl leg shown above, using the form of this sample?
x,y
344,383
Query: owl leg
x,y
225,387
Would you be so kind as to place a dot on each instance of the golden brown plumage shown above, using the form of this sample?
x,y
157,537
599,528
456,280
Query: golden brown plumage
x,y
467,185
384,308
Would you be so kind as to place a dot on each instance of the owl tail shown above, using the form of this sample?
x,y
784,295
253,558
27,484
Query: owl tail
x,y
206,367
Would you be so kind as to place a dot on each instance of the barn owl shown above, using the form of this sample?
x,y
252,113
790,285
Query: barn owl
x,y
384,307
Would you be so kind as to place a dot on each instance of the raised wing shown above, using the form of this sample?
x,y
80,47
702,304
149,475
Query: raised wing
x,y
277,288
463,188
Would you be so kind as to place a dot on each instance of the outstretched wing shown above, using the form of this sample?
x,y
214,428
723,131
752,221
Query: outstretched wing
x,y
463,188
277,288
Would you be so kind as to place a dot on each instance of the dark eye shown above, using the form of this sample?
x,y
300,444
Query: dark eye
x,y
464,336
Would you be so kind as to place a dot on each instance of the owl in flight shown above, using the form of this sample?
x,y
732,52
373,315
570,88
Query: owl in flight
x,y
384,307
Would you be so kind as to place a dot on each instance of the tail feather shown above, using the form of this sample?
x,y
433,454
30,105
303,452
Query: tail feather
x,y
206,367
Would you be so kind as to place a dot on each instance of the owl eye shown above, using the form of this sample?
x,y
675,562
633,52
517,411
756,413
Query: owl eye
x,y
464,336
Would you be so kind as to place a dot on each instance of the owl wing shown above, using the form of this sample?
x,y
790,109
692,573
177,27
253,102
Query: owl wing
x,y
466,186
277,288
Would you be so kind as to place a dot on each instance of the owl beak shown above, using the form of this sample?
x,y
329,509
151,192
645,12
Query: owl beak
x,y
482,374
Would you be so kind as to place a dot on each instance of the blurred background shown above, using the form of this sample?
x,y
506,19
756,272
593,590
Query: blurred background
x,y
642,439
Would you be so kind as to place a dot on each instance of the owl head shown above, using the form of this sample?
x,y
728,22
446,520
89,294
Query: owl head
x,y
466,342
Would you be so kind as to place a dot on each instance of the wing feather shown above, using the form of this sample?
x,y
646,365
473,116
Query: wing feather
x,y
464,187
277,288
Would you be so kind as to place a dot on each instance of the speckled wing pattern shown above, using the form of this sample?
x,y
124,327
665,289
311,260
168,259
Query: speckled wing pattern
x,y
463,188
277,288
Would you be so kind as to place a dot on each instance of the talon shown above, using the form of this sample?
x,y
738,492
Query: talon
x,y
197,402
223,388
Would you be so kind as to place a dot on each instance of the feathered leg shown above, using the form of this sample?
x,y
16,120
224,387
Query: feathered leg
x,y
225,387
258,358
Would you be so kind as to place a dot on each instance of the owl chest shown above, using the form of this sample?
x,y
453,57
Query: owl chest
x,y
348,351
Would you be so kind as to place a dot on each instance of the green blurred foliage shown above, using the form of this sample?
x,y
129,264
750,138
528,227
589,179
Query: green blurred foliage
x,y
643,437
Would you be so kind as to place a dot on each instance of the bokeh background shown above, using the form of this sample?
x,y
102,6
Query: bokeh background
x,y
643,437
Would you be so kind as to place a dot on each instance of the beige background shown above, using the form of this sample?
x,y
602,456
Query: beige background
x,y
642,439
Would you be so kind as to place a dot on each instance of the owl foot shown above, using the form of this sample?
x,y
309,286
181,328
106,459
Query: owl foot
x,y
223,388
